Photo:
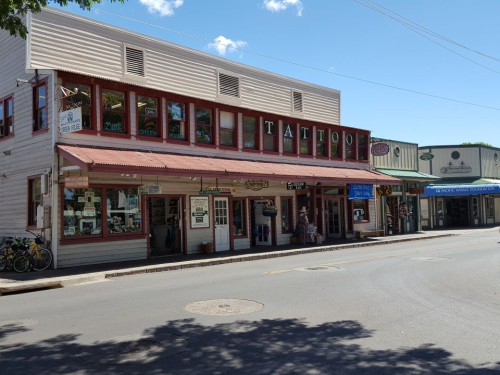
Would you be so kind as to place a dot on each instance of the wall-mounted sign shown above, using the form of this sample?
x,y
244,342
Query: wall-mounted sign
x,y
150,189
76,182
256,185
384,190
295,185
70,120
209,192
360,191
461,169
224,190
419,190
380,149
426,156
199,212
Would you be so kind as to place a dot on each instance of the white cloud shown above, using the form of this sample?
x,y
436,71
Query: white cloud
x,y
279,5
162,7
222,45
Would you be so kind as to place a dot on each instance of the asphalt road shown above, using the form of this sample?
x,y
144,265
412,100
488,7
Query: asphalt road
x,y
423,307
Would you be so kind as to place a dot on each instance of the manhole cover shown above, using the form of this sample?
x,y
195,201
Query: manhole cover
x,y
429,259
224,307
317,268
132,350
19,323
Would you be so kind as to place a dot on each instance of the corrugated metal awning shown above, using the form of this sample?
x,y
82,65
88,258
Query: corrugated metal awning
x,y
408,175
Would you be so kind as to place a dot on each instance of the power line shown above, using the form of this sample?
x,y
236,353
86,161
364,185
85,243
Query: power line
x,y
299,64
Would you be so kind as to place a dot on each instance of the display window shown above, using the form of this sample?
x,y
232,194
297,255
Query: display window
x,y
148,117
83,99
289,138
270,135
239,222
177,122
123,214
227,129
321,143
360,210
82,211
250,133
204,124
114,115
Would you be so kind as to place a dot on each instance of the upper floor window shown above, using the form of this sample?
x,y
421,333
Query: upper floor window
x,y
34,199
82,98
362,149
269,135
305,140
250,130
288,138
336,150
6,117
349,146
40,107
321,142
204,125
177,121
113,111
227,129
148,117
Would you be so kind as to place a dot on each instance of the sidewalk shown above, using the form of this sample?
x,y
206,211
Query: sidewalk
x,y
11,282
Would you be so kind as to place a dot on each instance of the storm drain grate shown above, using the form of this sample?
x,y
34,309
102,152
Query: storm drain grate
x,y
224,307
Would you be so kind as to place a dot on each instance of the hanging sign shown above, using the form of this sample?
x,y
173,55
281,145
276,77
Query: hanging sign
x,y
426,156
76,182
150,189
199,212
360,191
419,190
456,170
209,192
223,190
295,185
70,120
256,185
384,190
380,149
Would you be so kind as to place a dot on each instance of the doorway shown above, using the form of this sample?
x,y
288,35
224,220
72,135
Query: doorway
x,y
457,212
334,218
166,218
262,233
222,236
413,214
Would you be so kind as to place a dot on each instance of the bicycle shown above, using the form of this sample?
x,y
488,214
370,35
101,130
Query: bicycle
x,y
15,256
41,257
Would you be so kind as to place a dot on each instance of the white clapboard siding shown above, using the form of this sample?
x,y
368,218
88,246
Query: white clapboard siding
x,y
407,159
468,155
490,167
97,49
496,202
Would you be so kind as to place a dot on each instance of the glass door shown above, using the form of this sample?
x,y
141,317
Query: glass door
x,y
334,218
222,237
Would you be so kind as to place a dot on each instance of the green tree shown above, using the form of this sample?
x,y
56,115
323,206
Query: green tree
x,y
12,11
476,144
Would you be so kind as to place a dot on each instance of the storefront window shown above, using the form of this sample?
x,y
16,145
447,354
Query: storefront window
x,y
321,142
269,136
288,138
113,111
475,210
227,129
177,121
336,145
147,109
250,132
360,209
82,99
204,125
239,217
123,210
490,208
362,147
305,140
286,215
349,148
440,209
82,211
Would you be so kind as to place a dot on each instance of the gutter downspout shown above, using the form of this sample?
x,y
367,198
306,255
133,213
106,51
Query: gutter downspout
x,y
55,172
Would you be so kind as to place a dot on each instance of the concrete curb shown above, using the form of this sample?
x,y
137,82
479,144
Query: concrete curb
x,y
66,281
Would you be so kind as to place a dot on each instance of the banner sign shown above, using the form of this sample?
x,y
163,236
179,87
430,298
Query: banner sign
x,y
380,149
360,191
256,185
456,170
70,120
433,191
295,185
76,182
419,190
199,212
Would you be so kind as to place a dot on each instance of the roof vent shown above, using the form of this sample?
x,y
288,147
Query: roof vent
x,y
134,59
297,101
229,85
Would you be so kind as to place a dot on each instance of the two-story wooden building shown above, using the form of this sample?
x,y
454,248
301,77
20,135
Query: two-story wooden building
x,y
126,146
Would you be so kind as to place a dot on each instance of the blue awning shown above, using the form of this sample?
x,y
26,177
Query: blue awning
x,y
447,190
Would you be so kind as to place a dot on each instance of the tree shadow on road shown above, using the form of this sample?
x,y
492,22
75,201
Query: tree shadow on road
x,y
269,346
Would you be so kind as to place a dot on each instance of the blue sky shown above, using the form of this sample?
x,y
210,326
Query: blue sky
x,y
345,37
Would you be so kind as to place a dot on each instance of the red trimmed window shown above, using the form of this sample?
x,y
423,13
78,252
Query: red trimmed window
x,y
6,117
250,133
34,198
349,146
82,98
321,142
360,210
114,115
289,138
336,146
239,217
40,107
227,129
177,122
270,135
148,121
286,215
204,125
362,147
305,140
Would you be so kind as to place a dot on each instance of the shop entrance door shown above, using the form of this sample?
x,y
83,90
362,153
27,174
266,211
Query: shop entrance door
x,y
412,214
222,238
334,219
165,225
263,224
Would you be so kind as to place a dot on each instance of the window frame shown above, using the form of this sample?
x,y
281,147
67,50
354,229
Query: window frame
x,y
36,109
75,79
352,145
275,136
291,215
490,207
365,148
174,99
234,131
244,205
294,138
340,145
325,143
31,211
256,133
366,203
159,117
309,141
126,111
4,101
213,130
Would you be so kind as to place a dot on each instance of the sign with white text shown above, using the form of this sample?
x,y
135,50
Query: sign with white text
x,y
70,120
76,182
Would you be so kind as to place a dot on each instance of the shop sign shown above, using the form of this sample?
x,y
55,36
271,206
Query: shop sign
x,y
150,111
295,185
199,212
89,211
223,190
360,191
384,190
380,149
150,189
460,169
70,120
76,182
209,192
256,185
418,190
426,156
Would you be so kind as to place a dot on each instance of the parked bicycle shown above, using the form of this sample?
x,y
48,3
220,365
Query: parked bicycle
x,y
24,254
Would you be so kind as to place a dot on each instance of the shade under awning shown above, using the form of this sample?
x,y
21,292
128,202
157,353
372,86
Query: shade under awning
x,y
450,190
105,160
